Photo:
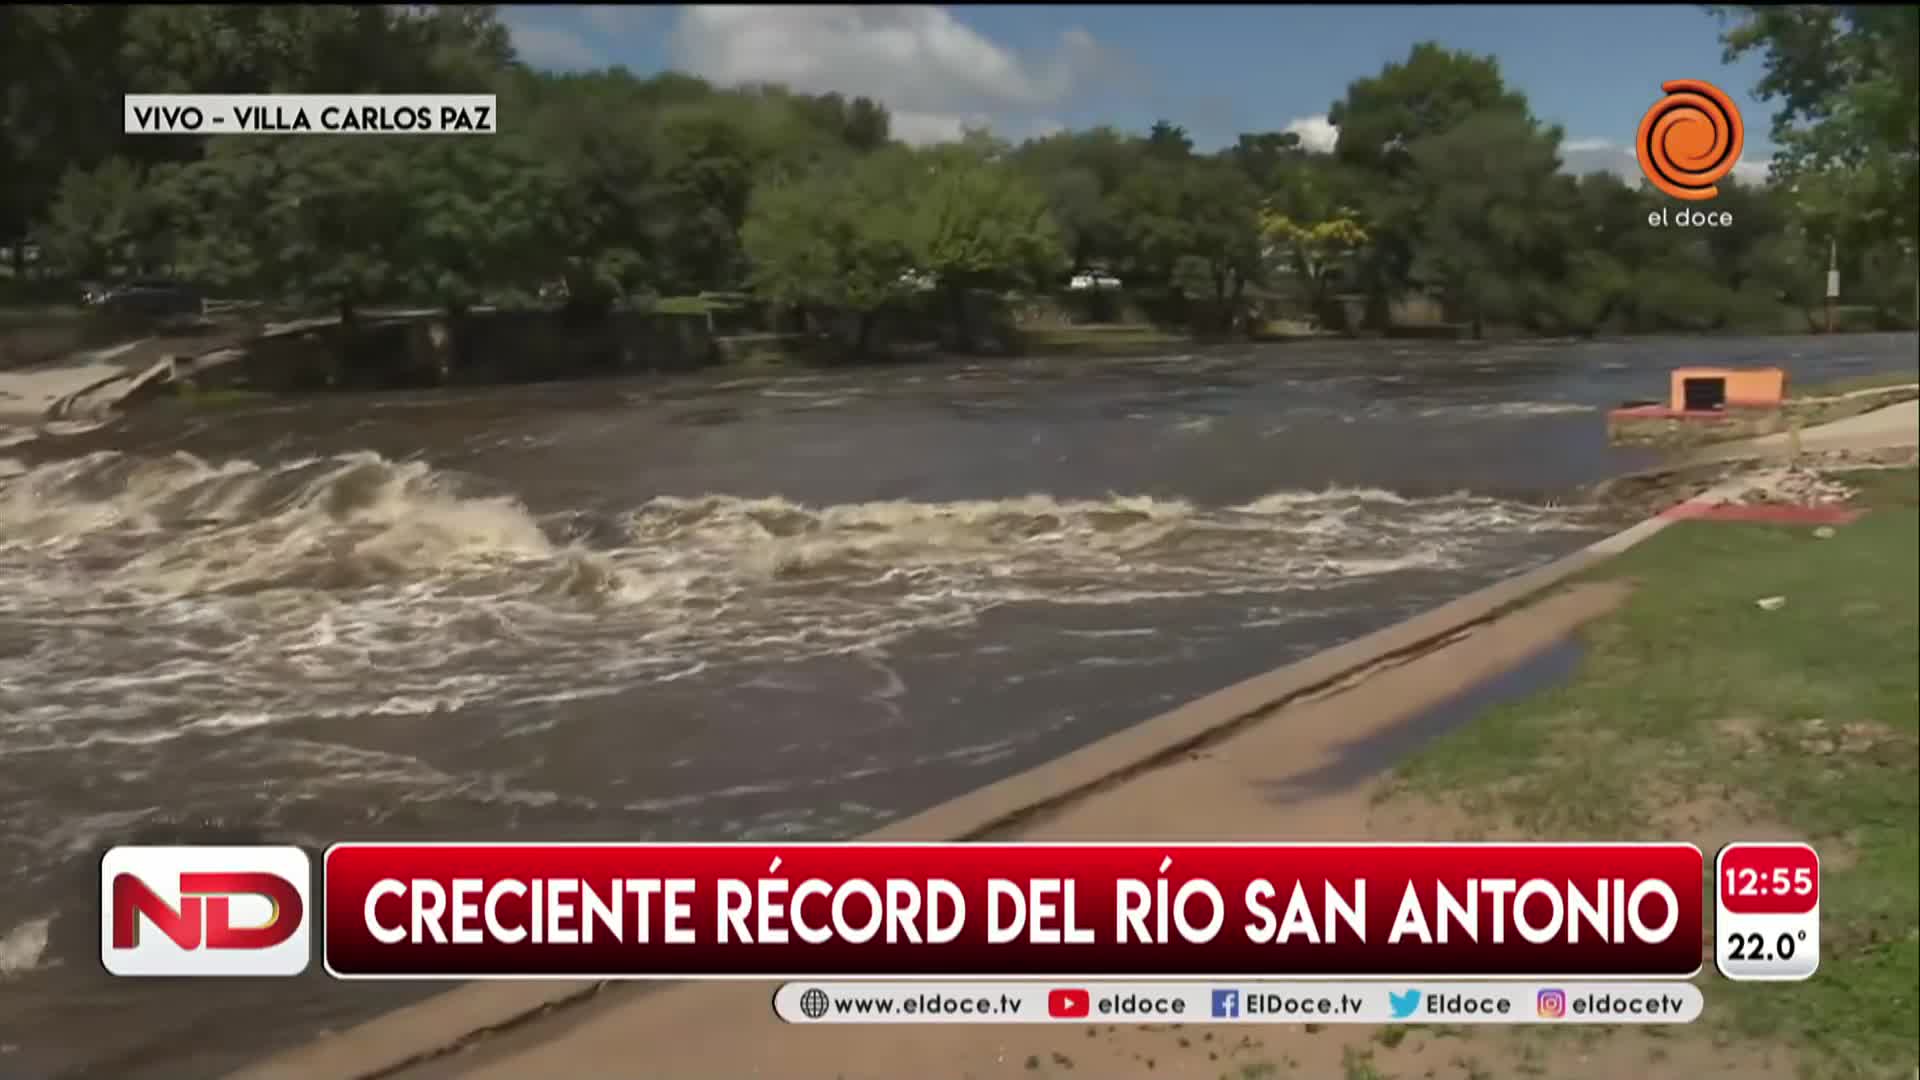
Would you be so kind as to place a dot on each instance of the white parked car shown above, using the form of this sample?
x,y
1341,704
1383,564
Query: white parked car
x,y
1093,279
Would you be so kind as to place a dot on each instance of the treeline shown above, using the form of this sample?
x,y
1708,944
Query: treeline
x,y
628,189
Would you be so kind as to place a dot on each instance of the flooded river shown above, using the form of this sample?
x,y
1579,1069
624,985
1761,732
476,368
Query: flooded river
x,y
783,606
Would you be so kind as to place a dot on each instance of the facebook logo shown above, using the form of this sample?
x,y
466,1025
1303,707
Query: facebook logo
x,y
1226,1004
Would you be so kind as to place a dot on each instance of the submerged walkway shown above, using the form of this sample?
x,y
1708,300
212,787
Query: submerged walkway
x,y
28,394
89,385
1882,429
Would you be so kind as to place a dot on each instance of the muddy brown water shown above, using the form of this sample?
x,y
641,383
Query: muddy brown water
x,y
774,606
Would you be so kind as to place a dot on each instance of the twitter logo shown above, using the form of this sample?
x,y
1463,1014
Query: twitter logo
x,y
1403,1004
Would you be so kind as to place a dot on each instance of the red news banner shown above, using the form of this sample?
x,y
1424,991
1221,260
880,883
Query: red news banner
x,y
1012,910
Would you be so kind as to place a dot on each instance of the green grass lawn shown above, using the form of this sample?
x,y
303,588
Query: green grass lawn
x,y
1693,700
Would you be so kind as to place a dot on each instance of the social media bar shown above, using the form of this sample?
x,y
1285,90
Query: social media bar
x,y
916,1002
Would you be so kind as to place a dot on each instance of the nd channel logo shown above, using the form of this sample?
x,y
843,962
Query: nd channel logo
x,y
172,911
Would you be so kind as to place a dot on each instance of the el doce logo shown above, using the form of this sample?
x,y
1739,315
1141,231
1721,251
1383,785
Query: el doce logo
x,y
1691,139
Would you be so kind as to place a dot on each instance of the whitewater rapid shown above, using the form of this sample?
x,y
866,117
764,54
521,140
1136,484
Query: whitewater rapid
x,y
355,584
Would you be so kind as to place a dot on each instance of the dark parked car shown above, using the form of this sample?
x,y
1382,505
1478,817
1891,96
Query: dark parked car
x,y
151,298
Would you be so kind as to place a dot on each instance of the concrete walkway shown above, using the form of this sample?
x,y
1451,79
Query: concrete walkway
x,y
1882,429
28,394
88,386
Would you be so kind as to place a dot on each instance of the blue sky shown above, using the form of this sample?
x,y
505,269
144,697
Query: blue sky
x,y
1216,70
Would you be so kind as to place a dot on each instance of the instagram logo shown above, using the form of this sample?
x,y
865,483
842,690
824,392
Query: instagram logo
x,y
1552,1004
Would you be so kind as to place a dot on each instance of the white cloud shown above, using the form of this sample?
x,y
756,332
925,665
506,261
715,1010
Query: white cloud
x,y
545,44
1316,133
1589,143
921,128
934,72
617,20
1598,154
553,47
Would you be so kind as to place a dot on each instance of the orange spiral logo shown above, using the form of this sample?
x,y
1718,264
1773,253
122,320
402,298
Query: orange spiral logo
x,y
1690,139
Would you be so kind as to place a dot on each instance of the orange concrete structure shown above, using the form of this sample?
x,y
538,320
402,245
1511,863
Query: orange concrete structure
x,y
1705,389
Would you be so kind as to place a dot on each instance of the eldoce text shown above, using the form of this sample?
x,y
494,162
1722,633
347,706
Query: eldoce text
x,y
1687,217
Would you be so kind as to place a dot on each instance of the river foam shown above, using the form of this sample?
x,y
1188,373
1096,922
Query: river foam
x,y
168,596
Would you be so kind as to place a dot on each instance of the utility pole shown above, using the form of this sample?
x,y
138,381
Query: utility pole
x,y
1913,252
1833,279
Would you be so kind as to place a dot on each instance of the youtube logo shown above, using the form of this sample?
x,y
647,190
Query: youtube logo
x,y
1069,1004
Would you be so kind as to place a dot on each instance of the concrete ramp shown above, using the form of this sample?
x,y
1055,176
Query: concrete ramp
x,y
102,396
1889,428
29,395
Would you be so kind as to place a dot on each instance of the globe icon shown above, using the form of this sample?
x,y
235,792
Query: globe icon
x,y
814,1003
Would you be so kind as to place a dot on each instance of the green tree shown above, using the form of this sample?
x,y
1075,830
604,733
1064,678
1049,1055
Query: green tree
x,y
979,224
1080,172
1488,213
1310,225
105,220
1380,119
1196,227
352,221
1876,263
706,166
607,214
1269,159
1168,141
1606,241
1314,251
836,239
1847,78
60,103
862,124
1429,93
481,227
68,66
311,219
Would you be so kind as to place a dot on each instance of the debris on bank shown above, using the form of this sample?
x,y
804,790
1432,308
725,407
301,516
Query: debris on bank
x,y
1806,483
